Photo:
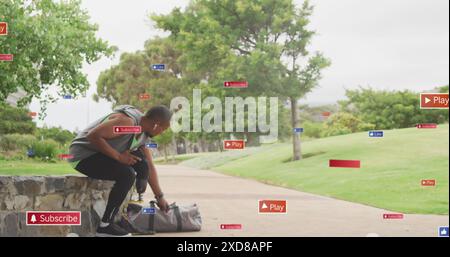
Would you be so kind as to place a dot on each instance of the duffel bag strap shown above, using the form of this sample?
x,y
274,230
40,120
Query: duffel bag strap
x,y
177,213
151,218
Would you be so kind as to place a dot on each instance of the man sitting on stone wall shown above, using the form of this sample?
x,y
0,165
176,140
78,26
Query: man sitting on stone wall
x,y
100,152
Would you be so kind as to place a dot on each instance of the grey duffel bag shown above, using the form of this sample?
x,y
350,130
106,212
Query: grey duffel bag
x,y
149,219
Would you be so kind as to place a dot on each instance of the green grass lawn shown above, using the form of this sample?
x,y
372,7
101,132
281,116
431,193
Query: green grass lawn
x,y
391,169
32,167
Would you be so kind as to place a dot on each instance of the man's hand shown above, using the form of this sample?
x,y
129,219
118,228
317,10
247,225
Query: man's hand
x,y
128,159
153,181
162,204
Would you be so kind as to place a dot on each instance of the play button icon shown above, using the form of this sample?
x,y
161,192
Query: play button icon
x,y
434,101
233,144
272,206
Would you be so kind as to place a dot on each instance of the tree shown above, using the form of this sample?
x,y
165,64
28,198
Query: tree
x,y
133,76
60,135
50,42
390,109
262,42
443,89
122,83
344,123
163,140
15,120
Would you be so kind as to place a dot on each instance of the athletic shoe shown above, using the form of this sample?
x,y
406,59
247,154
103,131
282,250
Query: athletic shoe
x,y
112,230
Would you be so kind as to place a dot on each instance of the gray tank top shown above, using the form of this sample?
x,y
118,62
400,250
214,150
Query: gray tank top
x,y
81,148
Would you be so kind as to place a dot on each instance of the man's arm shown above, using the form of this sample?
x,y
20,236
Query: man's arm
x,y
104,131
153,179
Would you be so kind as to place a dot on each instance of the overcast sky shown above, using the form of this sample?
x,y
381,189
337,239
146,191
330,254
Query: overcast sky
x,y
385,44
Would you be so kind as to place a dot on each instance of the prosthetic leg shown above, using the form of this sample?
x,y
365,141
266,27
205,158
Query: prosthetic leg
x,y
140,186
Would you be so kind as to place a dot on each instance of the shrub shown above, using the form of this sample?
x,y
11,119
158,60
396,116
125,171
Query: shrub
x,y
312,129
343,123
15,142
391,109
15,120
46,149
62,136
336,131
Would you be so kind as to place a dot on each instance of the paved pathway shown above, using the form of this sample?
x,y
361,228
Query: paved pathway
x,y
230,200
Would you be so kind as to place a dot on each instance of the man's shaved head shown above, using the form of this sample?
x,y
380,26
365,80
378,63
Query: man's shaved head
x,y
160,114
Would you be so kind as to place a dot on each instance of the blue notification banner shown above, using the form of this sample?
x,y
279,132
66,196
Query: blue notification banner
x,y
376,134
298,130
158,67
150,210
152,145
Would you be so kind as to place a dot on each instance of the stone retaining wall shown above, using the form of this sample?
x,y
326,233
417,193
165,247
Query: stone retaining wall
x,y
19,194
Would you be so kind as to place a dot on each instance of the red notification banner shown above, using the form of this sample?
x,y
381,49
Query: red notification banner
x,y
6,57
58,218
434,101
233,144
392,216
127,129
3,28
65,156
144,96
345,163
428,182
426,126
272,206
230,226
237,84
